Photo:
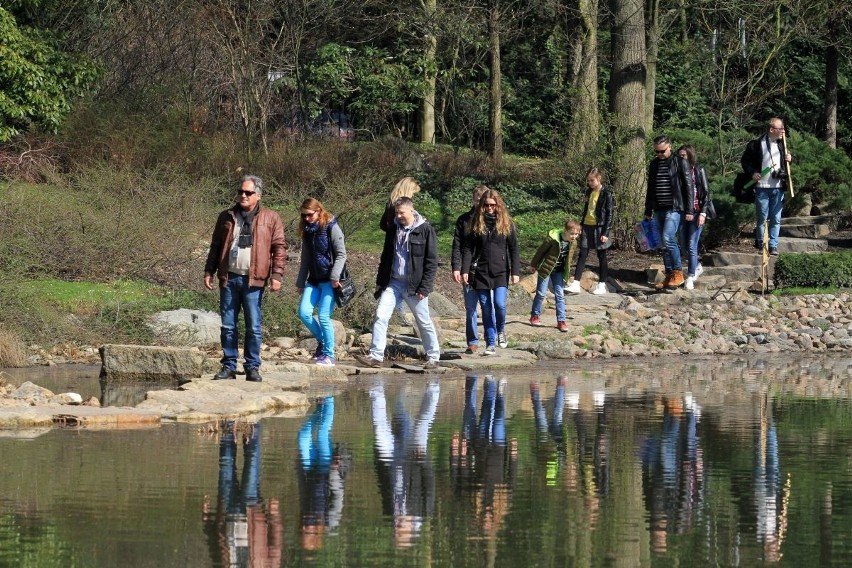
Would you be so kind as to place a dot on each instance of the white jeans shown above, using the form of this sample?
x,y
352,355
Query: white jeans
x,y
395,293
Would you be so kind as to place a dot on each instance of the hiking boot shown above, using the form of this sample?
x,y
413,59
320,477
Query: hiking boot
x,y
253,375
471,349
664,283
676,279
574,287
490,350
502,342
773,251
535,320
368,361
562,326
226,373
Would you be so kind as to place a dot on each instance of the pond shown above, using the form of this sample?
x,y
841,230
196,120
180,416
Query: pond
x,y
658,462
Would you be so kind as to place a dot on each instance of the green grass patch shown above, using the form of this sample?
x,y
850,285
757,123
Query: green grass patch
x,y
83,297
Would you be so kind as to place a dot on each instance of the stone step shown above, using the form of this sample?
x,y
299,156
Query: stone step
x,y
734,272
726,258
805,231
830,220
844,242
792,244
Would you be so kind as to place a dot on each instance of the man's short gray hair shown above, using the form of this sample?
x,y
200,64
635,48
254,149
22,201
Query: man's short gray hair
x,y
258,183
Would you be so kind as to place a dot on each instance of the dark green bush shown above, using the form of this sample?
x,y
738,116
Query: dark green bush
x,y
814,270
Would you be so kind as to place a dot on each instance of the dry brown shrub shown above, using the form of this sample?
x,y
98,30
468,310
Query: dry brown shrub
x,y
13,353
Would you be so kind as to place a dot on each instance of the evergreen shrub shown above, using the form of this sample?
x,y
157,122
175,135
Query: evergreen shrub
x,y
814,270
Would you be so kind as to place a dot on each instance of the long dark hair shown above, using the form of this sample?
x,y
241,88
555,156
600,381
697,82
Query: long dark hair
x,y
691,156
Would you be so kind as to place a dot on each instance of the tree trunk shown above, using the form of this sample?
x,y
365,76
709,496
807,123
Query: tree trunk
x,y
832,57
652,36
427,103
585,121
495,111
627,103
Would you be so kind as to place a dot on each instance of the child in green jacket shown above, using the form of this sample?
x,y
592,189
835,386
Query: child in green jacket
x,y
552,260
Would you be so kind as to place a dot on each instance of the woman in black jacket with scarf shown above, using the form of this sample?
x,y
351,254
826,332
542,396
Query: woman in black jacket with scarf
x,y
490,261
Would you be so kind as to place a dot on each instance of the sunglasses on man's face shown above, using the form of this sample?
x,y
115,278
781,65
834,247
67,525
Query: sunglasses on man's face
x,y
245,193
661,152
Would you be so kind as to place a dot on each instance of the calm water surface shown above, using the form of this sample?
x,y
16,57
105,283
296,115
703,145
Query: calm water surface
x,y
722,462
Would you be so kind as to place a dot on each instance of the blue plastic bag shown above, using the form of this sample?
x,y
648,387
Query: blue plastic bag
x,y
647,235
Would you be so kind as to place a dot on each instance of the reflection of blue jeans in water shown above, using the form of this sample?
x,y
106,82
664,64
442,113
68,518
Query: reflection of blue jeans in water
x,y
669,450
692,233
555,425
493,304
768,203
469,413
668,222
557,279
321,296
238,296
316,453
234,497
492,417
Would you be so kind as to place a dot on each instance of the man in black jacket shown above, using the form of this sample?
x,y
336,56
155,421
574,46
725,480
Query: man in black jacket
x,y
670,193
765,160
407,271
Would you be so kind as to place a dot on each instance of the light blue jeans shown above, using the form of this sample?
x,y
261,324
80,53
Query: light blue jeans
x,y
395,293
493,304
557,279
692,233
320,296
768,203
668,221
238,296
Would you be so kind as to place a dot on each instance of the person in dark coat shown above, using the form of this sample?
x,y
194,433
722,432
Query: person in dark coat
x,y
490,261
597,222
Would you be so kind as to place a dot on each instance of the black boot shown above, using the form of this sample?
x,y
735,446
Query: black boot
x,y
225,373
253,375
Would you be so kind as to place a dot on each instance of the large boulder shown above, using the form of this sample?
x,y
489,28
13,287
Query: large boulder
x,y
186,327
149,363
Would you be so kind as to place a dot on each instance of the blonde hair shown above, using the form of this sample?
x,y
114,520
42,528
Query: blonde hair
x,y
572,225
504,220
406,187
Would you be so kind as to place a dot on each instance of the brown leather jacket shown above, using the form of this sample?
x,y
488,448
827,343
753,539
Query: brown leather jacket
x,y
268,250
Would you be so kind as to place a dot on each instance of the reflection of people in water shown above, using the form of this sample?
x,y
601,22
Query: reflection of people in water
x,y
589,471
673,471
770,502
241,531
406,477
321,476
481,460
555,463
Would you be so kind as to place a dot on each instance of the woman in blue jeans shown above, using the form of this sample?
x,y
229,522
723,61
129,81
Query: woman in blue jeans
x,y
323,258
700,210
490,260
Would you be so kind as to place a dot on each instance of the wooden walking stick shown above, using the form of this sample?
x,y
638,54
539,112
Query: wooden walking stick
x,y
790,194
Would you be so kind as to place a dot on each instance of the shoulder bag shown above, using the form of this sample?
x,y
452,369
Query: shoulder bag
x,y
347,290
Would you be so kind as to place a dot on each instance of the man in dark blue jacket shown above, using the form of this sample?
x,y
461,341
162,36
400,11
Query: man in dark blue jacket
x,y
407,271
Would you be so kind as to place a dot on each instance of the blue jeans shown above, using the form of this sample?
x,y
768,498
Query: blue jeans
x,y
668,221
768,204
320,296
558,281
493,304
238,296
391,297
692,231
471,304
233,495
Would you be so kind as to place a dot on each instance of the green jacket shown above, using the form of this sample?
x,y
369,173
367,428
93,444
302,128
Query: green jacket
x,y
544,259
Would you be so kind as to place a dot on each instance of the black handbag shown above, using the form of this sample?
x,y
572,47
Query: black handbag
x,y
347,290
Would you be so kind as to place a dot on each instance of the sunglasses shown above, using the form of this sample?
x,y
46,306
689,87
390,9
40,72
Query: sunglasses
x,y
246,193
308,215
660,152
490,205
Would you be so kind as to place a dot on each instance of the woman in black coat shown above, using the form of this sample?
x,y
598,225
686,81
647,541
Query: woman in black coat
x,y
490,261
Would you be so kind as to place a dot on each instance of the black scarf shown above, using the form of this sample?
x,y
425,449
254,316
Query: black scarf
x,y
247,217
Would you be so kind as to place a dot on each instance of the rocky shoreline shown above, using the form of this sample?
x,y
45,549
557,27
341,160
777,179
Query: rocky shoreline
x,y
643,324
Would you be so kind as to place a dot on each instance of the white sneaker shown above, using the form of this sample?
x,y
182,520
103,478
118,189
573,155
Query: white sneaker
x,y
600,289
690,282
698,270
502,342
490,350
574,287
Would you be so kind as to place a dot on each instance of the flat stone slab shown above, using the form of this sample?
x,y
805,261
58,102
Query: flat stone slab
x,y
503,359
790,244
49,416
149,363
805,231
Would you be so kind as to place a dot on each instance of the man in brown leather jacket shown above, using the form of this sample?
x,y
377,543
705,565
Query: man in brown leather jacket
x,y
247,250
